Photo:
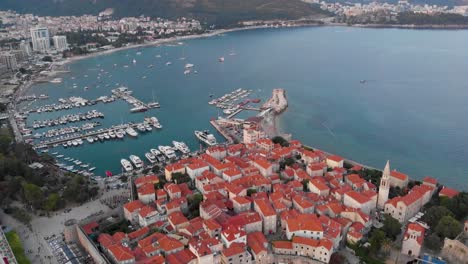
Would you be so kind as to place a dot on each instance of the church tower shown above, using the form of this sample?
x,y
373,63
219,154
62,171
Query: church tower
x,y
384,186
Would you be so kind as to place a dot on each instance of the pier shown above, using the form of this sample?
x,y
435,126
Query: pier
x,y
59,141
138,105
222,132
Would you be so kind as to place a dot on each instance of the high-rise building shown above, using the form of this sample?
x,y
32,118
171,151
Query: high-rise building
x,y
40,39
25,47
384,188
9,60
60,43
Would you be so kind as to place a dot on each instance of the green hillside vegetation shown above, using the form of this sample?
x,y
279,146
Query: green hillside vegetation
x,y
218,12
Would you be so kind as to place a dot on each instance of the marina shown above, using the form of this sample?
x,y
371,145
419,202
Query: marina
x,y
114,132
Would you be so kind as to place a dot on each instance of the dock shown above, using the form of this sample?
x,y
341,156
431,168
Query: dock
x,y
126,94
59,141
222,132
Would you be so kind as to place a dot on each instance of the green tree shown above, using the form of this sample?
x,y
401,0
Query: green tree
x,y
51,202
376,240
33,195
433,215
280,140
433,242
5,143
251,191
448,227
47,59
180,177
391,227
458,205
305,186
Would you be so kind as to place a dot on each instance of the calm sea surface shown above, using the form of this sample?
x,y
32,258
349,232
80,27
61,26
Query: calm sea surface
x,y
412,110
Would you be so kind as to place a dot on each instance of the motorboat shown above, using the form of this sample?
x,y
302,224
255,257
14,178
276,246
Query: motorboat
x,y
167,151
131,131
126,165
206,137
181,146
136,161
150,157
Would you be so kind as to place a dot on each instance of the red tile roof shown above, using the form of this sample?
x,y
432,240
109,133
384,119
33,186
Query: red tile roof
x,y
282,244
357,197
133,206
121,253
153,179
398,175
430,180
234,249
146,189
449,192
265,207
335,158
177,218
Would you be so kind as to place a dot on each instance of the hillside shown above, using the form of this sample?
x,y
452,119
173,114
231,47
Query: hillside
x,y
219,12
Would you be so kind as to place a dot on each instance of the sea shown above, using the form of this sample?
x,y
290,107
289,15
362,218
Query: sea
x,y
369,95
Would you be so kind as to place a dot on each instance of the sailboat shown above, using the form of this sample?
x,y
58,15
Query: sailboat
x,y
154,104
183,54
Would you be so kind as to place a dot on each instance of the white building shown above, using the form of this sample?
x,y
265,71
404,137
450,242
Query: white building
x,y
9,60
40,39
413,240
60,43
25,47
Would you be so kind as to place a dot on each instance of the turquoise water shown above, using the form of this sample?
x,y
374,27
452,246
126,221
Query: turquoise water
x,y
412,109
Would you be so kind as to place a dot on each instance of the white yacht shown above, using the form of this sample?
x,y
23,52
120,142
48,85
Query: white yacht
x,y
150,157
206,137
126,165
155,152
167,151
181,146
119,134
112,134
136,161
90,139
131,131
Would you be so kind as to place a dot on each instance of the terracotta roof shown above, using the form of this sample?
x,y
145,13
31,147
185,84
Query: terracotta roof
x,y
282,244
304,222
232,172
146,189
211,224
357,197
198,165
146,210
158,259
121,253
169,244
265,207
233,232
88,228
106,240
319,185
241,200
449,192
138,233
430,180
263,163
234,249
133,206
177,218
335,158
181,257
398,175
147,179
174,167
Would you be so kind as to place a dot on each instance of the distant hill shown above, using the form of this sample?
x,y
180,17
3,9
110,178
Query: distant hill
x,y
219,12
420,2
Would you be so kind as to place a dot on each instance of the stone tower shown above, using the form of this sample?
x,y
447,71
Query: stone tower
x,y
384,186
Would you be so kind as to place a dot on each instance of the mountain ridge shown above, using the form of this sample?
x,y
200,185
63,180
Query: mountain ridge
x,y
219,12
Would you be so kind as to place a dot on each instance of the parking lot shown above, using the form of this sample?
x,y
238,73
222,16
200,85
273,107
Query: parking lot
x,y
65,253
